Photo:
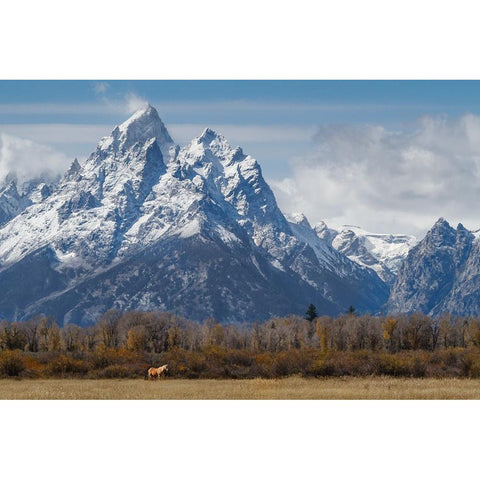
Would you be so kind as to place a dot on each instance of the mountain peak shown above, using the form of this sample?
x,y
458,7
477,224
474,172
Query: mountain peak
x,y
324,232
299,219
72,172
209,135
147,112
144,125
441,233
9,187
321,226
217,144
441,222
442,226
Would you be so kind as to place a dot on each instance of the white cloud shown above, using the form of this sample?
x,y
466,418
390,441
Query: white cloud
x,y
393,181
133,102
100,87
58,133
29,160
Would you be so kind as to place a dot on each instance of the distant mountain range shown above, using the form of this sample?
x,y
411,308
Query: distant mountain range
x,y
144,224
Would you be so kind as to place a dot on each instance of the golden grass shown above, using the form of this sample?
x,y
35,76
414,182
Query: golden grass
x,y
256,389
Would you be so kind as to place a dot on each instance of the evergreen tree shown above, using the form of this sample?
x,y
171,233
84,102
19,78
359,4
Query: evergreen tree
x,y
311,313
351,310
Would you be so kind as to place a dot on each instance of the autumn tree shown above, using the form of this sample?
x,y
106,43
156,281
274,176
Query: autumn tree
x,y
417,331
32,334
137,338
109,328
72,337
54,343
388,327
473,331
12,336
445,328
323,326
48,334
90,335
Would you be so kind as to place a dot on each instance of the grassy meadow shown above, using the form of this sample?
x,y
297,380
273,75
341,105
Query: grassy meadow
x,y
288,388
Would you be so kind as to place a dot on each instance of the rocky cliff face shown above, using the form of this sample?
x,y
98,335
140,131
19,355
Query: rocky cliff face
x,y
440,274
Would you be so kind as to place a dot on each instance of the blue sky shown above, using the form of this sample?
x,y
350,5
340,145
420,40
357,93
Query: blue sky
x,y
297,130
456,94
293,108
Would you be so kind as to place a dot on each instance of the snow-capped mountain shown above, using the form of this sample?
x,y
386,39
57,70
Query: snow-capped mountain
x,y
144,224
440,274
15,197
382,252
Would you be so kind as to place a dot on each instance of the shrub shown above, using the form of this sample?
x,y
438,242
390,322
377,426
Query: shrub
x,y
322,367
240,358
187,364
420,363
62,365
116,371
103,357
393,365
33,367
11,363
262,366
291,362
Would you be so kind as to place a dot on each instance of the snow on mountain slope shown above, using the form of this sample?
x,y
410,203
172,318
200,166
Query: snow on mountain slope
x,y
94,204
15,198
383,253
361,279
11,203
197,230
230,177
322,248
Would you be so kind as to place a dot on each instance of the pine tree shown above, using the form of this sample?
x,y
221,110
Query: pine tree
x,y
311,313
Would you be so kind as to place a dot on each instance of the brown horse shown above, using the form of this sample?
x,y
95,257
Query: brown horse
x,y
155,373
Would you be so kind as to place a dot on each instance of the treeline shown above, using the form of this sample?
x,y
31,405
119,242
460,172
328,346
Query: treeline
x,y
125,345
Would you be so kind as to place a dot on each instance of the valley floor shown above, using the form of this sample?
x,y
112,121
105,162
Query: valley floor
x,y
258,389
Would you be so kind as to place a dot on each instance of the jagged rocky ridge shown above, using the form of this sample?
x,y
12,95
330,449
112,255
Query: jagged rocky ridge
x,y
382,252
440,274
144,224
15,197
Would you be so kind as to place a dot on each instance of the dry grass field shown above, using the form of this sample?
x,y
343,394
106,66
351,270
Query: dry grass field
x,y
256,389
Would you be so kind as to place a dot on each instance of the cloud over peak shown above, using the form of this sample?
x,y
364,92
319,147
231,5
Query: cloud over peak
x,y
390,180
28,160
